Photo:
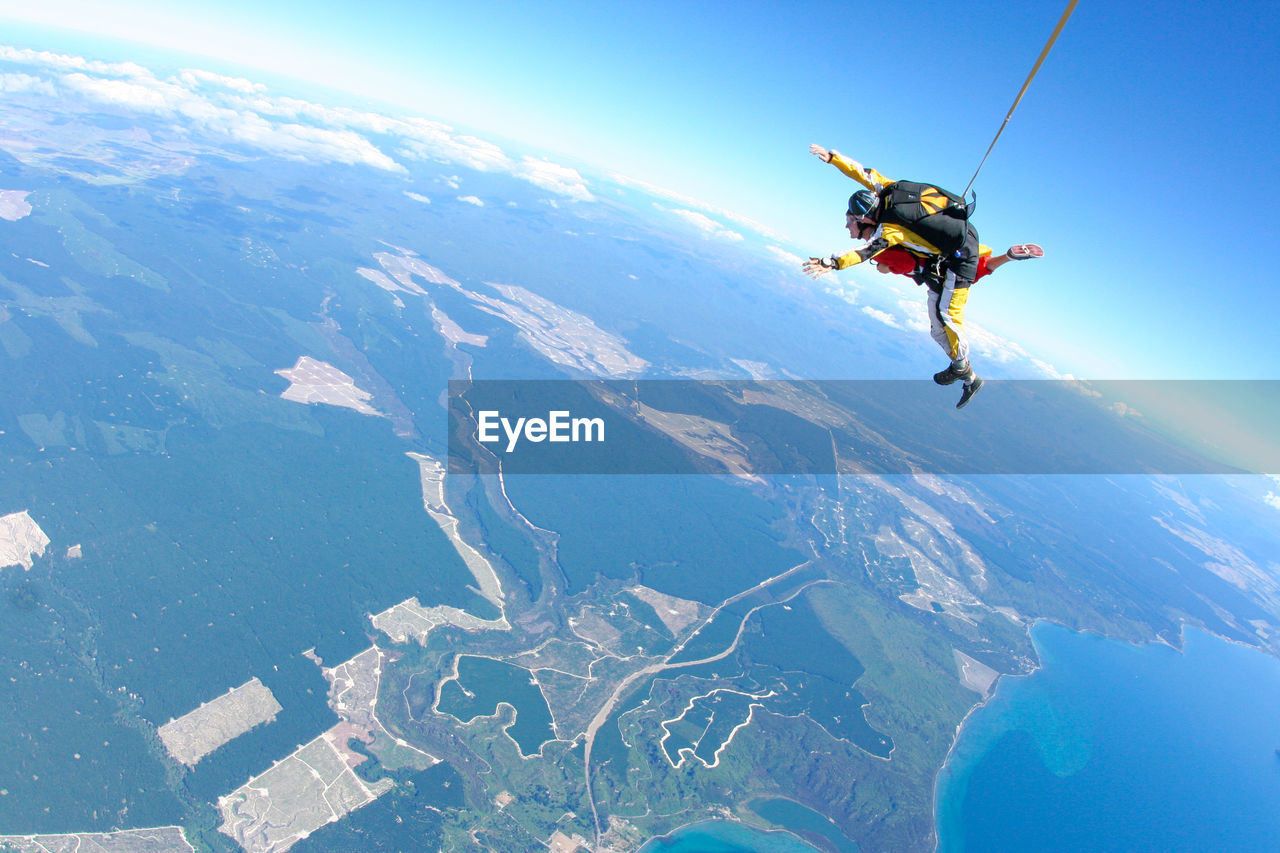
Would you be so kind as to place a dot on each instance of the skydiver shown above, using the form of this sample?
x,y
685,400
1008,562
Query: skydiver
x,y
949,242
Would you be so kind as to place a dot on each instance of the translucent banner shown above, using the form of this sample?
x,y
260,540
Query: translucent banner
x,y
768,427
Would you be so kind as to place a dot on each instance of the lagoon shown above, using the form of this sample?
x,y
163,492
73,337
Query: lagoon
x,y
724,836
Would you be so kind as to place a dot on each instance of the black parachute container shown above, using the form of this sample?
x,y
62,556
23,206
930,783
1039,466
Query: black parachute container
x,y
938,216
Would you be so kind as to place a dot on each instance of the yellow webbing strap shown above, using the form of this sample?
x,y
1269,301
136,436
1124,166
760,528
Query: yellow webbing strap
x,y
1062,22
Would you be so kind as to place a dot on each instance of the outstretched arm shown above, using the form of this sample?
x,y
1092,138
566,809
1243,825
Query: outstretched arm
x,y
815,267
869,178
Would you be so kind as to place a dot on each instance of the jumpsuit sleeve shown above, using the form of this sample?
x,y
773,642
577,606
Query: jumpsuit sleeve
x,y
869,178
886,237
866,253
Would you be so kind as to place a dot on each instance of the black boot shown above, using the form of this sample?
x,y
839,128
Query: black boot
x,y
970,388
955,371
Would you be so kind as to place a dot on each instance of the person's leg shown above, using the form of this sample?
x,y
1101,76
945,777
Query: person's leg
x,y
951,309
1020,252
946,325
937,328
951,303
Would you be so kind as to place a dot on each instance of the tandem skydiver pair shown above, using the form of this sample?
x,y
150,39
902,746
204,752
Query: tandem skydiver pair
x,y
923,232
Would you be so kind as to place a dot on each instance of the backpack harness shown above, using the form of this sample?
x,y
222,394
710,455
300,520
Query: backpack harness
x,y
938,216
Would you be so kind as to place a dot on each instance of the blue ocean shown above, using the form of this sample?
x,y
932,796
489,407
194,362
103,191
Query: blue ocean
x,y
1113,747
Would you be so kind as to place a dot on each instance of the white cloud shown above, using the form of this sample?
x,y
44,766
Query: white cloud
x,y
882,316
554,177
746,222
1048,369
1001,350
64,62
142,92
342,146
14,83
655,190
787,258
913,315
841,289
435,143
703,223
1272,499
194,78
417,197
339,118
1124,410
133,94
292,127
991,346
689,201
427,140
470,199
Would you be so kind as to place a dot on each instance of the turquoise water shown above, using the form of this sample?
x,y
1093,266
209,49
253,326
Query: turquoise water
x,y
803,821
1112,747
722,836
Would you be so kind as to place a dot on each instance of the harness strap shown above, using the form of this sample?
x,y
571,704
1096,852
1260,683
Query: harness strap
x,y
1062,22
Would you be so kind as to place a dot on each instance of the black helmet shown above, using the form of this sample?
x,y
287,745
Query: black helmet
x,y
862,203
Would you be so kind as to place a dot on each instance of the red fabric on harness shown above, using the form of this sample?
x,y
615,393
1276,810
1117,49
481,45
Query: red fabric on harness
x,y
897,260
902,262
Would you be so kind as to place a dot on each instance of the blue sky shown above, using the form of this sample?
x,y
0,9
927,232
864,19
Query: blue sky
x,y
1137,159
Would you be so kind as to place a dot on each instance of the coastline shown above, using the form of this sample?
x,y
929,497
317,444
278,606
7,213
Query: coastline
x,y
1180,646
